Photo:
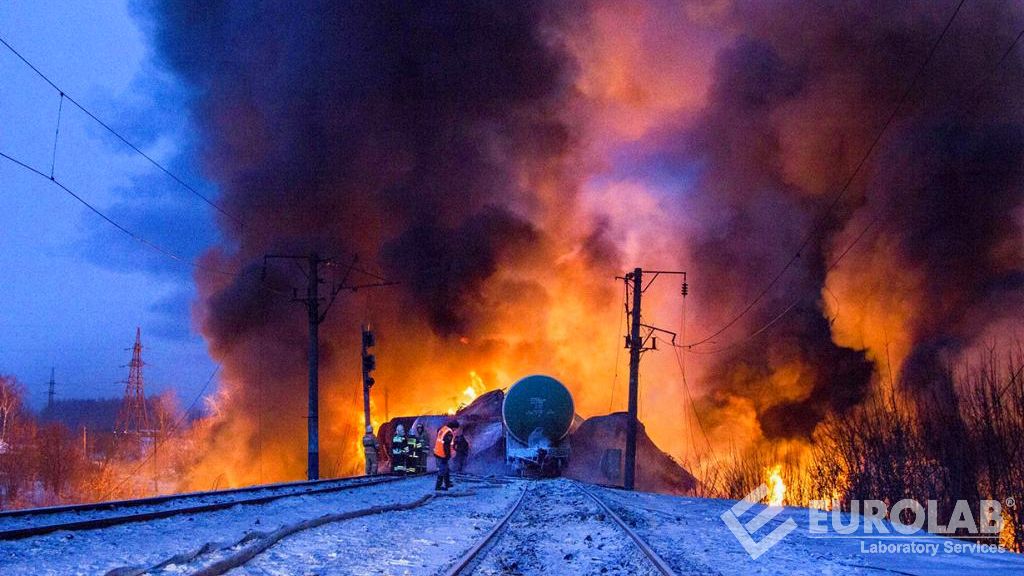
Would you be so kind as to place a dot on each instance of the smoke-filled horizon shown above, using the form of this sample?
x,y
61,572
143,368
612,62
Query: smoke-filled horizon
x,y
504,161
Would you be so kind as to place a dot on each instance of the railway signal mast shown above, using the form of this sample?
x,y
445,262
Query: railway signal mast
x,y
313,271
369,365
638,343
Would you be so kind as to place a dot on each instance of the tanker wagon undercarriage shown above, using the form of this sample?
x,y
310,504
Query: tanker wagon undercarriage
x,y
537,412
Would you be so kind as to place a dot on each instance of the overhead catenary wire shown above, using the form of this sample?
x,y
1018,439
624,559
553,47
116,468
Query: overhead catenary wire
x,y
56,136
122,138
686,385
138,237
972,102
822,221
126,231
618,350
680,362
169,253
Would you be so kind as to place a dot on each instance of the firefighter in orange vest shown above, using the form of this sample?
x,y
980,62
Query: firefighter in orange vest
x,y
444,448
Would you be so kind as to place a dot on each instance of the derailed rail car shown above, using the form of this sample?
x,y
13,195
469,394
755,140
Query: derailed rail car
x,y
537,413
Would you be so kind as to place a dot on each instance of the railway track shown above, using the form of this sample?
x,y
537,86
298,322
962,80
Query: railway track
x,y
471,560
106,514
649,552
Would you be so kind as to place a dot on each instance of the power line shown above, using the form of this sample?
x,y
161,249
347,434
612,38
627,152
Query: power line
x,y
56,135
972,102
618,350
682,370
785,311
842,191
152,245
65,95
114,223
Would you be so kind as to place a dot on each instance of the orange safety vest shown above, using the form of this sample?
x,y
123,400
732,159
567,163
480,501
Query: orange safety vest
x,y
439,442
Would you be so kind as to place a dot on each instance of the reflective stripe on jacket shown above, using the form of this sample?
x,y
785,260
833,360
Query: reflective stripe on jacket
x,y
398,445
439,444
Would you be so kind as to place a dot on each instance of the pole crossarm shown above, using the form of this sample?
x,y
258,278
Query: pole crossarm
x,y
637,345
316,316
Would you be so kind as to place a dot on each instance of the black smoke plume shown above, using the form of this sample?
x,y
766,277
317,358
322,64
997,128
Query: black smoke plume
x,y
348,127
412,134
796,101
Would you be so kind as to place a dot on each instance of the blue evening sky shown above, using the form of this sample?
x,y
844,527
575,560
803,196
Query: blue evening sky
x,y
73,288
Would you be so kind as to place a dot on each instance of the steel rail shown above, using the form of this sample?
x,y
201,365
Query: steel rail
x,y
107,521
469,557
653,556
151,500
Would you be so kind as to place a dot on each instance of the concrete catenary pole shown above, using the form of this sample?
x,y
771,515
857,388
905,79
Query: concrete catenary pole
x,y
635,348
313,423
316,316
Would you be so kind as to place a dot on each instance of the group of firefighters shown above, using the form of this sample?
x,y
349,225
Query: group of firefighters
x,y
409,451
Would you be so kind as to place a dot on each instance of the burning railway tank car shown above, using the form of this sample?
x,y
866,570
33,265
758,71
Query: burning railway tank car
x,y
537,413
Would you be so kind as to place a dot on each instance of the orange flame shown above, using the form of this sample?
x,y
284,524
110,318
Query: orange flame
x,y
776,486
470,393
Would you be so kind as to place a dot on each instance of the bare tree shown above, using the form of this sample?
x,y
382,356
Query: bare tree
x,y
11,400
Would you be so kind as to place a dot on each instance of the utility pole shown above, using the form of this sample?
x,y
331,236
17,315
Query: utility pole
x,y
637,344
314,264
635,348
313,416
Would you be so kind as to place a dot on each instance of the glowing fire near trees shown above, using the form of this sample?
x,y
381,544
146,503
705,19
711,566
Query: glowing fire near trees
x,y
776,487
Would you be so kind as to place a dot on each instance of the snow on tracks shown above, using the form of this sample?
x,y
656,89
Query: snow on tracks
x,y
17,524
147,543
560,529
418,541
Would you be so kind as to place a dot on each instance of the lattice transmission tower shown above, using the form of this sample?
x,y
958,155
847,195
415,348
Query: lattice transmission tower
x,y
133,417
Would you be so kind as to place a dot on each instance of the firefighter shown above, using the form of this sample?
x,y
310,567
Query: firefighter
x,y
444,447
399,450
370,447
423,443
461,452
414,451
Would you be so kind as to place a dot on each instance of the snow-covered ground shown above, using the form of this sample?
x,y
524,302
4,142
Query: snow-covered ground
x,y
561,530
62,514
691,536
422,541
91,552
558,531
